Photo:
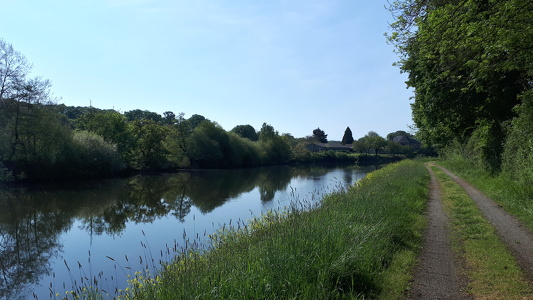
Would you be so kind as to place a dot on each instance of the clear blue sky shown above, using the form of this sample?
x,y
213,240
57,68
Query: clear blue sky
x,y
295,64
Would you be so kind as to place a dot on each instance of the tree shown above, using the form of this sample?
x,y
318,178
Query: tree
x,y
210,146
195,120
14,68
169,118
149,151
360,145
392,135
267,132
393,147
469,62
373,141
275,148
110,125
320,135
348,137
246,131
29,131
137,114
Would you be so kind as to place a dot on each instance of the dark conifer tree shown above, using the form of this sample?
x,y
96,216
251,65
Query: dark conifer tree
x,y
348,137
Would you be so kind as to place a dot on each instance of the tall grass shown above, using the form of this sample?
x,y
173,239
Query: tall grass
x,y
358,244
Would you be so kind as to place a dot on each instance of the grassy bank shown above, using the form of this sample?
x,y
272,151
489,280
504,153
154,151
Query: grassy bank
x,y
492,271
358,244
513,195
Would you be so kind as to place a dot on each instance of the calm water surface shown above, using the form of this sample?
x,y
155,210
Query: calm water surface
x,y
59,238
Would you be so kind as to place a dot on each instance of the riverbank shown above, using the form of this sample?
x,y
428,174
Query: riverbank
x,y
313,158
359,243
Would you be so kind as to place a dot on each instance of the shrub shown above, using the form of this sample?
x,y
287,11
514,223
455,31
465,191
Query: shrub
x,y
90,156
518,148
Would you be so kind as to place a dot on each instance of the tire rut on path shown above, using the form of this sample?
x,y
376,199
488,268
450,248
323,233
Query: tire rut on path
x,y
438,272
517,238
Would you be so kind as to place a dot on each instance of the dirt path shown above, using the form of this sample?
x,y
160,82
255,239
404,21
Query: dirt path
x,y
438,274
517,238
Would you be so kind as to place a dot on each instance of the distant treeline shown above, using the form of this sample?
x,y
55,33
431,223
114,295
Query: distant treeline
x,y
52,142
42,140
56,141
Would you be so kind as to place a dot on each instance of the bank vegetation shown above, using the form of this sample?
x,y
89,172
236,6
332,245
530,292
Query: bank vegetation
x,y
359,243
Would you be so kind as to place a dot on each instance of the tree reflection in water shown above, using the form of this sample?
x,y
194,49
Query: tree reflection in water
x,y
29,238
33,219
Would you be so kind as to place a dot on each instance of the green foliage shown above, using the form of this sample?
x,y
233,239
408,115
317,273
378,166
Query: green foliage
x,y
518,154
513,194
246,131
111,125
329,156
245,152
138,115
169,118
210,146
148,152
320,135
275,149
347,138
90,156
469,62
372,141
33,138
196,120
393,148
484,146
392,135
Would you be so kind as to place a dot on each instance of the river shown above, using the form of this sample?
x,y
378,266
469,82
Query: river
x,y
57,238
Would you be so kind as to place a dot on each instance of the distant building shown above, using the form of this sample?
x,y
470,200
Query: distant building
x,y
406,141
317,147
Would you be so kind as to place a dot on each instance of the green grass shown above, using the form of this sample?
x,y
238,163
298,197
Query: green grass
x,y
492,270
359,244
514,196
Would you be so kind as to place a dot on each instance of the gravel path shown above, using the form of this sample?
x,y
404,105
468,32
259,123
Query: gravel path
x,y
517,238
438,273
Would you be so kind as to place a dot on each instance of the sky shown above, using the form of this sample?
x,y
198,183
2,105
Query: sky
x,y
297,65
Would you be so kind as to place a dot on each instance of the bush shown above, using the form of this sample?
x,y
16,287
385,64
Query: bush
x,y
90,156
518,148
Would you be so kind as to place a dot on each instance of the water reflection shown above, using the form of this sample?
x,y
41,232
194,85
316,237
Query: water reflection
x,y
33,219
29,238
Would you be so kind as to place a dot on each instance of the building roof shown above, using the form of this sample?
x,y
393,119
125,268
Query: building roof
x,y
332,146
405,140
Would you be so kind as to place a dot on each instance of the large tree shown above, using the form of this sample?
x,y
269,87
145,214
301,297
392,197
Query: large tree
x,y
469,62
320,135
27,130
246,131
372,141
